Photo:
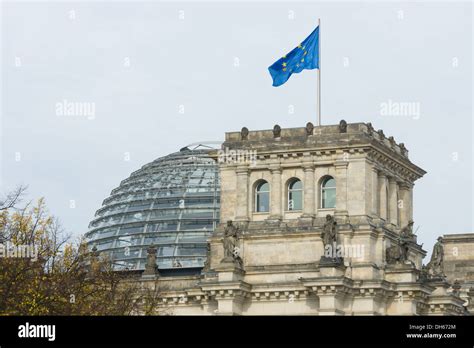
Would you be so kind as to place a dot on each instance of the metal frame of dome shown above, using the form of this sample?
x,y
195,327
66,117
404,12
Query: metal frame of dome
x,y
172,202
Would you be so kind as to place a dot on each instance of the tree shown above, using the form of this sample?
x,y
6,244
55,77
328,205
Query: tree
x,y
43,273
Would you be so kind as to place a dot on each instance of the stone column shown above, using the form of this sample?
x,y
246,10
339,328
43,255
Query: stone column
x,y
375,192
410,201
406,209
341,189
392,201
308,190
241,207
276,198
383,213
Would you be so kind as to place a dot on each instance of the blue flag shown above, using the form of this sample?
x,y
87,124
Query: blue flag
x,y
305,56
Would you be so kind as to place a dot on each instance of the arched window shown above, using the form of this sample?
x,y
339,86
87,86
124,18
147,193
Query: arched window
x,y
328,192
295,195
262,197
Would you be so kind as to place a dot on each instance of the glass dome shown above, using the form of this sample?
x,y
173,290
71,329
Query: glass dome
x,y
172,202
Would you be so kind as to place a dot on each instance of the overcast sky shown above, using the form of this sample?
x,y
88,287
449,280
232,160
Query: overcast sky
x,y
161,75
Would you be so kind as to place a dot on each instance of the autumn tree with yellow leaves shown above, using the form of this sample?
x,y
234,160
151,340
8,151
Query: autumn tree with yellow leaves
x,y
58,277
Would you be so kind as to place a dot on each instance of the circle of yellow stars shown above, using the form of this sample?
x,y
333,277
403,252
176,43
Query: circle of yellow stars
x,y
301,61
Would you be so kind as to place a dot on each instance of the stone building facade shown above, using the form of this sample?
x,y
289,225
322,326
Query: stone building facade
x,y
315,221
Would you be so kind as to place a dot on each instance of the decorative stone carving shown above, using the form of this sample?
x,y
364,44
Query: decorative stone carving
x,y
94,252
380,132
435,266
151,269
231,249
94,260
276,131
456,288
342,126
244,133
309,128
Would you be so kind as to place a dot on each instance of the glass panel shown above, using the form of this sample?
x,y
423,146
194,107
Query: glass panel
x,y
263,187
263,202
104,245
328,197
295,201
139,206
106,233
196,225
162,238
126,253
191,250
296,185
130,230
166,251
135,217
329,183
163,226
193,237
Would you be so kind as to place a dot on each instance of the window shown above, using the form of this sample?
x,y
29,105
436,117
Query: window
x,y
262,197
295,195
328,193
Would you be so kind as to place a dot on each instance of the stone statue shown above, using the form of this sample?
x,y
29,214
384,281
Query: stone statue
x,y
150,267
231,250
207,263
329,234
435,266
407,231
244,133
230,239
276,131
397,253
309,128
343,126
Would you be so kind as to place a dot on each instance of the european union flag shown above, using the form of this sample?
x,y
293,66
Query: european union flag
x,y
305,56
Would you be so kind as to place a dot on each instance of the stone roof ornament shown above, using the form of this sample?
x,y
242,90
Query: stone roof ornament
x,y
403,149
342,126
392,140
370,128
276,131
244,133
151,269
207,263
380,131
309,128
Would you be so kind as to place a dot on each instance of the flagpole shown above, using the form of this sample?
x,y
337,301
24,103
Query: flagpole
x,y
319,72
